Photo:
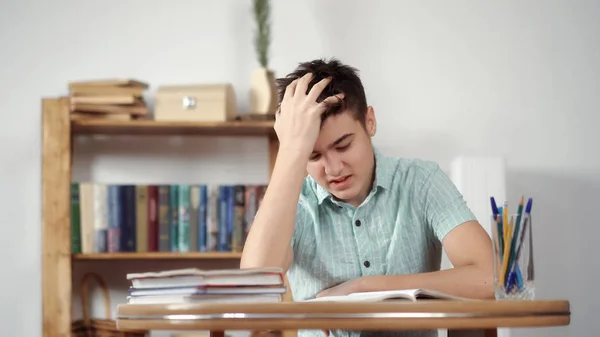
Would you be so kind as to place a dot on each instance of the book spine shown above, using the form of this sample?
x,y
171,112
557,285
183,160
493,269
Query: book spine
x,y
75,219
230,216
100,218
250,208
86,207
152,218
194,209
164,218
114,225
222,219
174,221
128,218
183,218
212,218
202,219
237,241
141,218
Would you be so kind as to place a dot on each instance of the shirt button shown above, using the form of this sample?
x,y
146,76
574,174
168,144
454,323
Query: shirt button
x,y
367,264
357,223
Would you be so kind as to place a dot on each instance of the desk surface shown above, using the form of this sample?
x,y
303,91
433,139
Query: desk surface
x,y
389,315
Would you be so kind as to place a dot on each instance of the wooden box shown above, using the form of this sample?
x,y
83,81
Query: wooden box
x,y
199,103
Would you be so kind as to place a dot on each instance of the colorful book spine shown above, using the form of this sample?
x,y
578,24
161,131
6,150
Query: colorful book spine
x,y
174,218
183,218
203,204
164,218
75,219
161,218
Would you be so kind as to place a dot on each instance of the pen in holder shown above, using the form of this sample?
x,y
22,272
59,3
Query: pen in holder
x,y
513,255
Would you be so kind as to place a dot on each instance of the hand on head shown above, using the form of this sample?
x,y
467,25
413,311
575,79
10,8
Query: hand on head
x,y
298,120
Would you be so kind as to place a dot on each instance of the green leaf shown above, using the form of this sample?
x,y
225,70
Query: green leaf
x,y
262,34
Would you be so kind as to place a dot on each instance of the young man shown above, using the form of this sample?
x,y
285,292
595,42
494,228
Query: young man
x,y
360,221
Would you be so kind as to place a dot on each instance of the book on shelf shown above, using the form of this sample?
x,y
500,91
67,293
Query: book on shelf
x,y
120,99
193,285
389,295
112,218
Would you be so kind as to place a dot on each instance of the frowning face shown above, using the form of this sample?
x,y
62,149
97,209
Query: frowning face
x,y
342,161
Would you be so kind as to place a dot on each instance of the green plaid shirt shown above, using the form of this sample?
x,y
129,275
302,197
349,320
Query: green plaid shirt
x,y
398,229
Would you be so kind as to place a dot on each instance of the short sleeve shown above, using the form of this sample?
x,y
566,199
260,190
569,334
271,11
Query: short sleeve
x,y
444,206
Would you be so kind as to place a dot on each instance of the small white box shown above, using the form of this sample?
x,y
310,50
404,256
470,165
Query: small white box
x,y
200,103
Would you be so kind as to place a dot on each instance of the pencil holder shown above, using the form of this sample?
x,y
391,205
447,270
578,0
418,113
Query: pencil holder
x,y
513,256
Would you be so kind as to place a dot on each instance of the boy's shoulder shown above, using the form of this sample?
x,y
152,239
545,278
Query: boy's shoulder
x,y
404,165
404,169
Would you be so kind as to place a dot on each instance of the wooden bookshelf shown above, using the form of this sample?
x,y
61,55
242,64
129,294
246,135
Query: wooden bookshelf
x,y
160,256
150,127
58,131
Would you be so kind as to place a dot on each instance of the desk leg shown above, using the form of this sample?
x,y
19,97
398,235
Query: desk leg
x,y
490,332
220,333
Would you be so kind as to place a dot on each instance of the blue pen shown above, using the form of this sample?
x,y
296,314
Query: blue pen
x,y
511,281
498,212
494,207
513,249
515,276
500,231
519,277
530,264
527,227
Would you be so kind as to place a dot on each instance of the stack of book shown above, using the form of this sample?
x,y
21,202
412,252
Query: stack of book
x,y
207,286
120,99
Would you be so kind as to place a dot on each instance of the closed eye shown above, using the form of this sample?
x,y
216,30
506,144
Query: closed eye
x,y
344,148
316,156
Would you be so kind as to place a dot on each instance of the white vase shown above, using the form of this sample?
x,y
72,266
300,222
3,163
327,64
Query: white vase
x,y
263,93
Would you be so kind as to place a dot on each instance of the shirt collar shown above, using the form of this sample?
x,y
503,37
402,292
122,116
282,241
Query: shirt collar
x,y
382,178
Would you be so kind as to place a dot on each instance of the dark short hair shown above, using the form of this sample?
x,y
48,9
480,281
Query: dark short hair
x,y
345,80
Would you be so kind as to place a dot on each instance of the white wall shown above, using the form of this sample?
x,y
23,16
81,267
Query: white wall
x,y
515,79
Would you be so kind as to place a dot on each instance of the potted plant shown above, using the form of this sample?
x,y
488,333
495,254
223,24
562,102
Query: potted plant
x,y
263,93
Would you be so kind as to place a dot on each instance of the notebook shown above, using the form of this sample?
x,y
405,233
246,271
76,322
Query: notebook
x,y
377,296
205,299
208,290
191,277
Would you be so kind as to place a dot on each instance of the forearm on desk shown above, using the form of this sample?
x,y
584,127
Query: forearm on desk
x,y
469,281
268,241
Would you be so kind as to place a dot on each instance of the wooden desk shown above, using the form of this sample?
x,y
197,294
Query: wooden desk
x,y
396,315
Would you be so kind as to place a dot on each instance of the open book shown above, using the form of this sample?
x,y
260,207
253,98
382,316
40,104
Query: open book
x,y
377,296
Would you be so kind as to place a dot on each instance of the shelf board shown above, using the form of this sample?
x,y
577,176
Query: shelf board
x,y
159,256
151,127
